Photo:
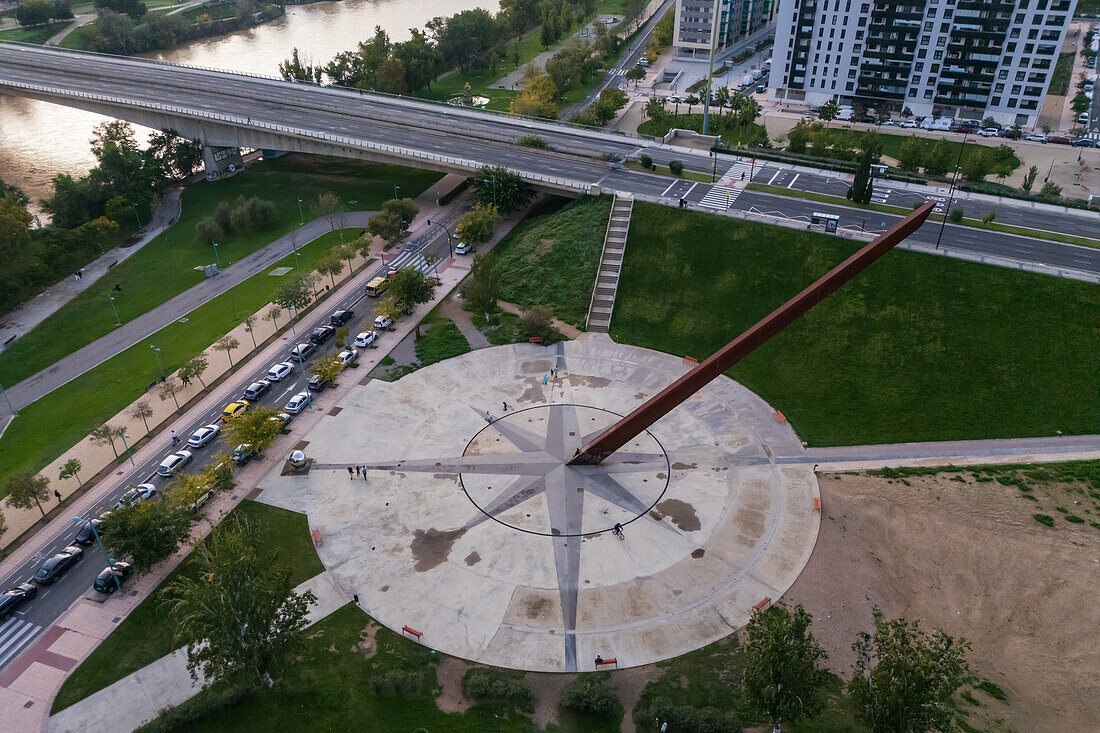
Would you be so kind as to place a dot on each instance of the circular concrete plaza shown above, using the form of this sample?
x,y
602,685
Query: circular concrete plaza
x,y
471,528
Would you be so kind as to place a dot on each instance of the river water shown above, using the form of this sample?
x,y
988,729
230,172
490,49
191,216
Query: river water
x,y
39,140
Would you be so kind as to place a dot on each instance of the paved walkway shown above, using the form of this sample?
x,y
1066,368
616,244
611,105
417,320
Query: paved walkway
x,y
36,310
567,330
586,33
165,683
463,319
72,366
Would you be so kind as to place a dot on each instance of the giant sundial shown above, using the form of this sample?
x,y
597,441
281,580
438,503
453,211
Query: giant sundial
x,y
483,520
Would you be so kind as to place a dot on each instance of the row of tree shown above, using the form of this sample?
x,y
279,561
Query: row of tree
x,y
39,12
132,31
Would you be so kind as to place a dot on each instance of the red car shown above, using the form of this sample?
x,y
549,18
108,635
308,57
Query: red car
x,y
1060,140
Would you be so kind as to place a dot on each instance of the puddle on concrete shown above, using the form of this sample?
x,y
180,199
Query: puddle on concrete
x,y
698,553
533,393
585,381
451,476
431,547
684,466
473,558
639,396
681,513
536,608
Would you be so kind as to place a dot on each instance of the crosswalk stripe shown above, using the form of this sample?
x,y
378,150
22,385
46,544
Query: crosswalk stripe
x,y
14,635
720,197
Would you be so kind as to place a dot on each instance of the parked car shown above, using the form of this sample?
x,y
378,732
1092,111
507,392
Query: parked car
x,y
340,317
1085,143
243,453
381,323
203,436
316,383
1059,140
87,533
989,132
283,418
234,408
203,498
462,248
1012,133
14,599
322,334
1036,137
348,356
112,578
302,351
298,403
173,463
366,339
137,494
907,124
280,370
257,389
52,570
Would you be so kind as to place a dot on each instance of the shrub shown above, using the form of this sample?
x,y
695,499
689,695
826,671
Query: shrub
x,y
398,681
1074,519
956,216
1044,519
587,695
676,167
222,214
196,708
252,215
533,141
992,690
988,218
491,685
207,230
691,719
646,161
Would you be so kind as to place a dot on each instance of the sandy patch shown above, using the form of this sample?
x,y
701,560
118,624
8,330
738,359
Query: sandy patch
x,y
547,688
545,245
969,558
450,672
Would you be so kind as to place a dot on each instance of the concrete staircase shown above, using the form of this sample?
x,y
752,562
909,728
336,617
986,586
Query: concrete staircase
x,y
611,262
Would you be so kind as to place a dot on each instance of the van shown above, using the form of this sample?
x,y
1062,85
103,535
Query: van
x,y
845,114
377,286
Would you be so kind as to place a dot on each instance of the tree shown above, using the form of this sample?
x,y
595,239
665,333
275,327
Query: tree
x,y
476,225
249,323
828,111
292,293
882,114
975,167
911,153
327,368
940,158
328,205
147,532
25,489
345,251
392,222
608,105
655,109
330,265
409,288
106,434
1081,103
722,98
170,388
1029,178
294,68
194,369
482,286
538,98
3,525
253,427
798,137
636,74
1050,190
863,185
748,112
502,188
273,314
227,343
143,411
904,678
782,676
238,614
71,469
538,322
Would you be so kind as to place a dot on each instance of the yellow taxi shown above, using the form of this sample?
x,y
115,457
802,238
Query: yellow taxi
x,y
234,408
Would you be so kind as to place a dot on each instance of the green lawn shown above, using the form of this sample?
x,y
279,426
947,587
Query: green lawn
x,y
1060,77
38,34
479,79
891,144
146,635
551,257
746,135
52,424
165,266
442,340
918,347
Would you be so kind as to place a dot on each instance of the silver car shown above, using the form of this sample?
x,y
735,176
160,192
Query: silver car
x,y
202,437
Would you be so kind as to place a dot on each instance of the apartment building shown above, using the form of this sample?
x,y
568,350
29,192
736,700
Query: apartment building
x,y
730,21
968,59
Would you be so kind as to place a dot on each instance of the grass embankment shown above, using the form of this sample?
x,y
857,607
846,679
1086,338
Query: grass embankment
x,y
902,211
37,34
664,170
551,258
917,348
165,267
1060,77
146,635
745,134
441,341
50,425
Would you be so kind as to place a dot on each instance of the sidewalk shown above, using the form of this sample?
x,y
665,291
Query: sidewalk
x,y
514,79
46,303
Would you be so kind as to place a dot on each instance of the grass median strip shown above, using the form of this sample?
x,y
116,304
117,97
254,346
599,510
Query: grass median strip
x,y
917,348
165,266
902,211
145,635
49,426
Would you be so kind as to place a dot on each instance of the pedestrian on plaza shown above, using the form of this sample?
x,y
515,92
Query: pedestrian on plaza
x,y
357,469
505,405
351,475
57,494
364,473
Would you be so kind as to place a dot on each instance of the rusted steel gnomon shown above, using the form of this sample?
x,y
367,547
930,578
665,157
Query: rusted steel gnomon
x,y
667,399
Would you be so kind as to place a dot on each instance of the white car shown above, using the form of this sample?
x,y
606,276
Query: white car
x,y
1035,138
203,436
462,248
297,403
174,462
137,494
989,132
382,323
279,371
348,356
366,339
908,124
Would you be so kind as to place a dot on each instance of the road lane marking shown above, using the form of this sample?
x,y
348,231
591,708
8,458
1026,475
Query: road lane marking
x,y
796,175
774,177
665,193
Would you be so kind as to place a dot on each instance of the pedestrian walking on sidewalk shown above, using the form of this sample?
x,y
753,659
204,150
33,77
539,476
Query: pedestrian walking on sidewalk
x,y
364,473
357,470
175,438
351,474
57,494
505,405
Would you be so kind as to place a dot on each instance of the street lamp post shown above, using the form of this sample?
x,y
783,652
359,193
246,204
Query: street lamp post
x,y
1049,171
947,211
118,321
301,217
450,250
396,188
494,182
6,399
137,216
156,353
216,257
78,520
127,447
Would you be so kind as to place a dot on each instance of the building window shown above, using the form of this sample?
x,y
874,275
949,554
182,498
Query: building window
x,y
995,101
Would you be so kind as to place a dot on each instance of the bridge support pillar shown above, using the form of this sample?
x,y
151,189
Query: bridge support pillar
x,y
220,162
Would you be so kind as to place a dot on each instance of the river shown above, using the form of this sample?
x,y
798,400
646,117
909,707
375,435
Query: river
x,y
40,140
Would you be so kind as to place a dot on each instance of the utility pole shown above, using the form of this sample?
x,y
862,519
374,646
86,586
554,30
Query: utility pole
x,y
710,66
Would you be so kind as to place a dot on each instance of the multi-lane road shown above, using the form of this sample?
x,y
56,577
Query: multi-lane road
x,y
471,135
28,622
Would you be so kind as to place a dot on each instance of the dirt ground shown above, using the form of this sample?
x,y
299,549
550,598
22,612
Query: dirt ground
x,y
969,558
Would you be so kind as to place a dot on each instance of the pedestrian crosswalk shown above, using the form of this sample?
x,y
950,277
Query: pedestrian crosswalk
x,y
729,186
720,197
15,635
412,257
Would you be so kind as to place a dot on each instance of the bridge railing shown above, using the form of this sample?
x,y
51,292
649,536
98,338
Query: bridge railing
x,y
595,132
293,131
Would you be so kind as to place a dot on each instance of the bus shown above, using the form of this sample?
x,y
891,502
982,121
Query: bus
x,y
377,286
